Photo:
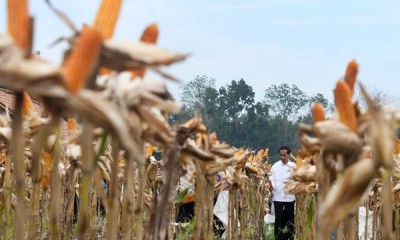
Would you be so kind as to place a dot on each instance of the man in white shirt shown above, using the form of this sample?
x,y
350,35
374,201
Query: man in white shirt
x,y
283,202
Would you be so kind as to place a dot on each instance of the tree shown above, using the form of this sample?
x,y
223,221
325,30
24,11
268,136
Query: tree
x,y
199,94
235,100
285,101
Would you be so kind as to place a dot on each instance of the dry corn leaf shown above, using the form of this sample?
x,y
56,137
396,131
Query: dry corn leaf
x,y
381,133
336,137
223,150
347,194
18,73
90,106
191,148
124,55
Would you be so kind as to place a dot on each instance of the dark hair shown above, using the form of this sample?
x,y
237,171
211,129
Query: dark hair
x,y
285,148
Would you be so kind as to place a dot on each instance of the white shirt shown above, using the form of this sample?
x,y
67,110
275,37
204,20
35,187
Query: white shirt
x,y
280,174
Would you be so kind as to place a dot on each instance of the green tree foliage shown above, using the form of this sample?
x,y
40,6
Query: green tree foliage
x,y
285,100
239,120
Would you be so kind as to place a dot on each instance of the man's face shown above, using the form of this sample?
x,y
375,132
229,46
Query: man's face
x,y
283,155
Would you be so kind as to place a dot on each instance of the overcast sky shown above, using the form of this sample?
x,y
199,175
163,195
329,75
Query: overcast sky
x,y
303,42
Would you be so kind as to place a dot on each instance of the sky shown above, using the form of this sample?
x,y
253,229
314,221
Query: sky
x,y
307,43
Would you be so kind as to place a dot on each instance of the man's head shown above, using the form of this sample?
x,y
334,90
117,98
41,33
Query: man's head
x,y
284,152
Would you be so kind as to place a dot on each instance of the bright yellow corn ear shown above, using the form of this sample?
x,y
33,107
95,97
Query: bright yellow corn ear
x,y
72,124
27,105
46,176
19,23
351,74
107,17
345,106
149,150
318,112
150,35
83,59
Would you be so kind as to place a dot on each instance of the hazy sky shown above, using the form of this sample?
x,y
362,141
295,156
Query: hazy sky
x,y
303,42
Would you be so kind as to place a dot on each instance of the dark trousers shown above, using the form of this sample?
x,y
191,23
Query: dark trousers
x,y
284,220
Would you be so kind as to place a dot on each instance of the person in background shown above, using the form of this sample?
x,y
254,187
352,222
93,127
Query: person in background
x,y
283,202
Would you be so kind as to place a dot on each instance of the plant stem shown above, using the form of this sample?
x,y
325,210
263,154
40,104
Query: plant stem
x,y
112,214
17,148
84,188
55,185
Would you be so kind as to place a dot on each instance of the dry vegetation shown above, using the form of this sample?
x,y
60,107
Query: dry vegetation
x,y
82,166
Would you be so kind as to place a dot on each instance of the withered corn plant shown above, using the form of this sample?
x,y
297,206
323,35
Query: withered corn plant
x,y
353,154
71,171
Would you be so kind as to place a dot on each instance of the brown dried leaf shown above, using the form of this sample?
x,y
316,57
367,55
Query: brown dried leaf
x,y
347,194
123,55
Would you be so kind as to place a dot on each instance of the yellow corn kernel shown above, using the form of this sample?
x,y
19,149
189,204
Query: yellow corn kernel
x,y
83,59
351,75
107,17
318,112
345,106
19,23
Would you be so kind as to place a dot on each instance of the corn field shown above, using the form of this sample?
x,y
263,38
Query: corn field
x,y
78,147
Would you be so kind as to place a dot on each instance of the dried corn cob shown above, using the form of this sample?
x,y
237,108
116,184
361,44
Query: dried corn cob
x,y
19,23
260,153
149,150
106,20
71,124
82,62
318,112
107,17
345,106
27,105
46,176
150,35
397,147
351,75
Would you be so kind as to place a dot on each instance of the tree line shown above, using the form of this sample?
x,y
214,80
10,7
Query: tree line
x,y
232,112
